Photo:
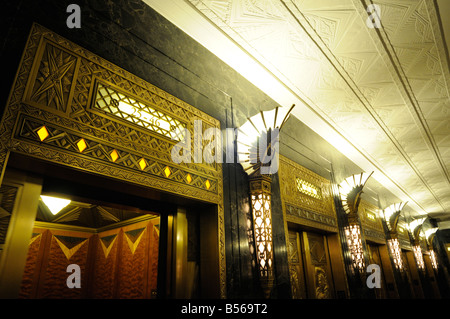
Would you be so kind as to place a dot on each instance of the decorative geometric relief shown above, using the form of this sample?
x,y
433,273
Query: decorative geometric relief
x,y
305,190
35,236
7,198
111,101
321,283
107,243
75,143
69,245
54,78
133,238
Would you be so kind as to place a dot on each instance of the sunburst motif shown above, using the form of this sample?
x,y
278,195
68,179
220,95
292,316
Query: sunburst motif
x,y
53,79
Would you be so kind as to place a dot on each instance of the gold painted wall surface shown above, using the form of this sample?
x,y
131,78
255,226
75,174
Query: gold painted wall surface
x,y
51,115
371,222
303,208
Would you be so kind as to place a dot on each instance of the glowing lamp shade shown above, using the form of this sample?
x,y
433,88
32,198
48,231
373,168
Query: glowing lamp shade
x,y
350,190
394,248
433,258
419,257
415,227
255,127
354,242
55,204
430,232
391,215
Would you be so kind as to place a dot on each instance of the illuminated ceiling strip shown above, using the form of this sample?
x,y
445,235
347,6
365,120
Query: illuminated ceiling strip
x,y
188,19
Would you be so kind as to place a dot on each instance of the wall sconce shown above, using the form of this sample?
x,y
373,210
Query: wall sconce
x,y
415,227
391,216
350,191
394,249
260,193
253,157
429,235
354,242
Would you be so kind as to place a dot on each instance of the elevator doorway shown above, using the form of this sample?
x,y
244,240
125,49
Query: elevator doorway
x,y
111,229
309,265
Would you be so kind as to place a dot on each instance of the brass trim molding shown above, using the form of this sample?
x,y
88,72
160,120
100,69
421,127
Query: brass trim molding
x,y
49,116
48,225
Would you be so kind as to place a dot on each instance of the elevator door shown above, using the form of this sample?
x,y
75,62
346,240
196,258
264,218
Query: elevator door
x,y
374,258
296,270
310,271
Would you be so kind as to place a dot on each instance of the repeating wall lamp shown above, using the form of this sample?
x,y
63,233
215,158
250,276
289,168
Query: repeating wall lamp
x,y
415,227
429,235
350,191
391,216
253,156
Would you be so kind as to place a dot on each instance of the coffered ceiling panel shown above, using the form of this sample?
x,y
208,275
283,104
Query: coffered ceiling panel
x,y
383,90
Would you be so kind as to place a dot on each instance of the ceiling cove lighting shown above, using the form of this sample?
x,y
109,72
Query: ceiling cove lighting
x,y
55,204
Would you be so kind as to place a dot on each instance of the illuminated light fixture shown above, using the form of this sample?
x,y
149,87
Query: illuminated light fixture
x,y
260,194
55,204
433,259
308,188
254,155
207,184
415,228
256,127
114,155
43,133
350,190
188,178
394,248
142,164
429,235
81,144
111,101
354,242
391,215
167,171
419,257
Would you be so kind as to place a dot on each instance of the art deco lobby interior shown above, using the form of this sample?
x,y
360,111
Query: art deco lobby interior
x,y
225,149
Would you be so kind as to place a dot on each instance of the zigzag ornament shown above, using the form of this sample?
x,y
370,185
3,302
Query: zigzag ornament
x,y
134,237
74,244
107,243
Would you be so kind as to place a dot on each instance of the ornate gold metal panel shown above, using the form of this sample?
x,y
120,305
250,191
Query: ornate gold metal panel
x,y
371,222
304,206
61,109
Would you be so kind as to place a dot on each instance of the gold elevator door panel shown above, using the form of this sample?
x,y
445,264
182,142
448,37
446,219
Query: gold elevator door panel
x,y
296,270
309,266
318,274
